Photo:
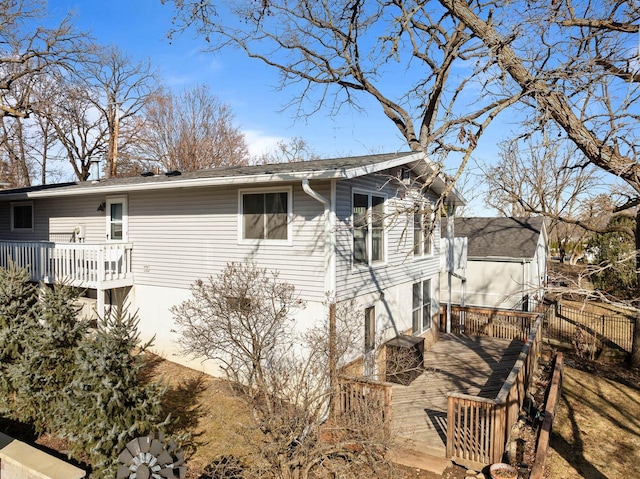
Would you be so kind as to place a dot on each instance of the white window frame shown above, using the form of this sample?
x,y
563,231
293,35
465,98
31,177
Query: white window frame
x,y
22,230
369,238
123,199
289,191
426,233
420,307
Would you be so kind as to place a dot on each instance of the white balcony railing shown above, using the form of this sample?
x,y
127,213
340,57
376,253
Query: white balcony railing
x,y
76,264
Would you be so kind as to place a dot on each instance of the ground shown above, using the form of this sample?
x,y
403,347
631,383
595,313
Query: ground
x,y
203,407
596,433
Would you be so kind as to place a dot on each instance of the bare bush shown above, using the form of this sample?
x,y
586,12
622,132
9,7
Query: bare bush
x,y
243,319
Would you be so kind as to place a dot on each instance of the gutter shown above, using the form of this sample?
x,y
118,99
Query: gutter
x,y
329,238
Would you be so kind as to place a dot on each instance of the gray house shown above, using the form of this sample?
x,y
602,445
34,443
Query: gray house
x,y
506,262
341,227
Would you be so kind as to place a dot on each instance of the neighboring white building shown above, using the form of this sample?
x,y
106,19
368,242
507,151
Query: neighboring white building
x,y
506,264
337,227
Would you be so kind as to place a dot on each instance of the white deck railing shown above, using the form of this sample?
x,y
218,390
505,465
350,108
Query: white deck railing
x,y
76,264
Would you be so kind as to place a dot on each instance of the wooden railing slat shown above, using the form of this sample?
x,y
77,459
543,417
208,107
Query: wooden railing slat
x,y
478,428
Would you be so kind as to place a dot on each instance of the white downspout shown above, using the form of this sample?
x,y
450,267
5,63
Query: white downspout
x,y
329,252
450,236
329,238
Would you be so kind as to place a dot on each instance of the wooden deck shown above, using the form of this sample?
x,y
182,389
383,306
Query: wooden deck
x,y
469,365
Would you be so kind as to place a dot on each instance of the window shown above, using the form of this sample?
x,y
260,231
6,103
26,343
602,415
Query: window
x,y
369,329
368,228
22,216
421,306
265,215
422,225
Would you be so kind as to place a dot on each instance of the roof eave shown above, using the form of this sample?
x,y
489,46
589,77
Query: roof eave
x,y
96,188
424,168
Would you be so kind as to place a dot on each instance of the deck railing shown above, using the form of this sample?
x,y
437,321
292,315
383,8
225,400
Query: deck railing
x,y
478,428
495,323
76,264
360,400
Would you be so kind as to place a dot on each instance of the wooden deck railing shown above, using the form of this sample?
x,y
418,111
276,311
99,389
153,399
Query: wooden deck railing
x,y
495,323
478,428
362,399
77,264
551,406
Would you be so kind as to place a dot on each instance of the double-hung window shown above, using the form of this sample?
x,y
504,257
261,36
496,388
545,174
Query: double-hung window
x,y
22,216
368,228
421,306
265,215
422,226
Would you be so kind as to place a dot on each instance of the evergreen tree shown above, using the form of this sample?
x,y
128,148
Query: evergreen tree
x,y
18,302
615,262
46,365
106,405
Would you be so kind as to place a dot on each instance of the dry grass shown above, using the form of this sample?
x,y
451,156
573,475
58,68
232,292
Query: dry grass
x,y
202,408
596,433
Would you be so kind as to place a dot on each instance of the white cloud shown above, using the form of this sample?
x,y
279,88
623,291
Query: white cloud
x,y
259,143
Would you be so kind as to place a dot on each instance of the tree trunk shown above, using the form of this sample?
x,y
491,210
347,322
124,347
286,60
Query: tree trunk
x,y
634,359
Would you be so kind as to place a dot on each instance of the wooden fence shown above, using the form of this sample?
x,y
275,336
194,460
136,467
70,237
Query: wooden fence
x,y
570,325
478,428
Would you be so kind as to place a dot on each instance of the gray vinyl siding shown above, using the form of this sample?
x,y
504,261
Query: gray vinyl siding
x,y
400,266
182,235
56,218
188,234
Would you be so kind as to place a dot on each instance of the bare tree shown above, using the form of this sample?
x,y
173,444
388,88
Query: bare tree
x,y
88,122
336,54
544,176
242,318
119,87
191,131
15,143
81,132
29,52
295,149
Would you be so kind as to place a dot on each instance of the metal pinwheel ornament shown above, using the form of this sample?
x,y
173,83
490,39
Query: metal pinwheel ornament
x,y
149,457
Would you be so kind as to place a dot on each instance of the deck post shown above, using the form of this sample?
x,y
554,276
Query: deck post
x,y
101,306
451,427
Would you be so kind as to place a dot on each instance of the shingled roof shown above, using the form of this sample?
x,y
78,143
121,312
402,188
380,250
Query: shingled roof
x,y
335,168
499,237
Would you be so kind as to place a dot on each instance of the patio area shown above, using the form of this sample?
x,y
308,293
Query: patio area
x,y
475,366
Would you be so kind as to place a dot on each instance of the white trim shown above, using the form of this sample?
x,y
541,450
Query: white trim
x,y
385,237
273,189
12,205
430,253
124,200
421,306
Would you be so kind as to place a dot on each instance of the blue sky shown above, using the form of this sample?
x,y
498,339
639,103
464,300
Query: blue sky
x,y
139,27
